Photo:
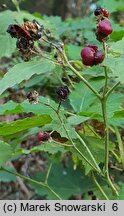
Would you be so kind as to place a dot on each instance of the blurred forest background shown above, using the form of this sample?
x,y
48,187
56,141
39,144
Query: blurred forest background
x,y
63,8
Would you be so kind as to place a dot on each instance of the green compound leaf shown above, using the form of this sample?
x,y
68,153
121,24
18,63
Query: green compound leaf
x,y
5,152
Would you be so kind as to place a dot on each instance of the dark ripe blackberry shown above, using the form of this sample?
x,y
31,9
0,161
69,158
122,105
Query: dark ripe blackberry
x,y
98,11
62,92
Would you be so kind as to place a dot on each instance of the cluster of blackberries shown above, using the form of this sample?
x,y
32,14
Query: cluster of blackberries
x,y
62,92
26,34
104,28
90,54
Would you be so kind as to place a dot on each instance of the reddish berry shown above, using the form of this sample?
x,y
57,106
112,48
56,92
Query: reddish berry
x,y
99,57
87,55
105,12
43,136
93,46
105,27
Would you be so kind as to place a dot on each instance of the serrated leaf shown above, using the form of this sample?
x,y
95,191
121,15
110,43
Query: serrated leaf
x,y
115,98
5,152
56,125
116,66
64,181
22,125
82,97
76,119
50,147
73,51
23,71
10,105
97,148
118,46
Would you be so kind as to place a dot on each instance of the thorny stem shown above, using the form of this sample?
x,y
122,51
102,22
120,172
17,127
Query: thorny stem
x,y
99,187
33,181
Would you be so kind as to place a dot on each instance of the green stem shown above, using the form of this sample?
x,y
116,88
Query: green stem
x,y
42,184
105,48
106,133
48,173
97,169
93,131
83,79
59,106
67,63
88,150
106,81
121,147
104,112
99,187
111,90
